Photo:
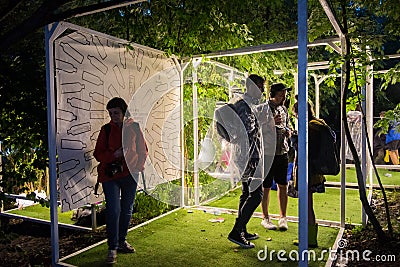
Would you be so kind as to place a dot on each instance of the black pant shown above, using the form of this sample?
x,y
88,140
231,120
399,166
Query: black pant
x,y
248,203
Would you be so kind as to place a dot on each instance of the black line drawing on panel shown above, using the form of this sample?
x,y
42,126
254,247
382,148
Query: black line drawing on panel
x,y
89,155
94,135
156,129
173,135
79,38
72,144
173,96
159,156
79,103
145,75
171,172
176,149
147,97
82,194
132,80
75,179
149,137
118,76
74,87
68,165
158,108
170,107
79,129
157,61
66,115
158,168
163,145
92,78
98,64
97,114
174,160
175,115
170,125
122,55
113,92
161,87
99,46
97,97
65,203
139,59
72,52
65,66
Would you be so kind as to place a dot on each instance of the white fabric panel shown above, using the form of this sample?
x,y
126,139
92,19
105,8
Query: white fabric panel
x,y
90,70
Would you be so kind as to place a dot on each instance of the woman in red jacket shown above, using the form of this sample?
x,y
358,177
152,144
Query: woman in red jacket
x,y
121,160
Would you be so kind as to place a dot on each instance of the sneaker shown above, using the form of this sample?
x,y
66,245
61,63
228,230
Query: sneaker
x,y
239,239
126,248
249,236
282,223
111,256
267,224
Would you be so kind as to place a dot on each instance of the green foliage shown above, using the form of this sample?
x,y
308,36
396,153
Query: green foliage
x,y
147,207
23,127
385,122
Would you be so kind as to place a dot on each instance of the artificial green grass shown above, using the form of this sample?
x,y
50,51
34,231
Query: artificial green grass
x,y
326,205
387,177
189,239
38,211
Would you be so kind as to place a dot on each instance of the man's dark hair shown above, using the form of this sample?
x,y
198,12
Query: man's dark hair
x,y
257,80
118,102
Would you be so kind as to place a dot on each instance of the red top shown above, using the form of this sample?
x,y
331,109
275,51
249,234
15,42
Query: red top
x,y
134,155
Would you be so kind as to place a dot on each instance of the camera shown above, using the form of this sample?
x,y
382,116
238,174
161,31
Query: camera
x,y
113,168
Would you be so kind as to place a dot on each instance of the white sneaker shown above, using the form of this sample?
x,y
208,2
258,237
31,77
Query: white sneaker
x,y
282,223
267,224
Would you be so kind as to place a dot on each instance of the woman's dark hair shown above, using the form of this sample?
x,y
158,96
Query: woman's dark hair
x,y
311,114
118,102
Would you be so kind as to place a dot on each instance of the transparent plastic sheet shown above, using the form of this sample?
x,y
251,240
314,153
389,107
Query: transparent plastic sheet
x,y
228,160
354,119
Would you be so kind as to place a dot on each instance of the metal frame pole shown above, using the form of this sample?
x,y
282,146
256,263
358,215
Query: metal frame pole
x,y
303,132
51,129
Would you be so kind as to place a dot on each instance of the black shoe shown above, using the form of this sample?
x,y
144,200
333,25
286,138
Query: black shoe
x,y
239,239
249,236
125,248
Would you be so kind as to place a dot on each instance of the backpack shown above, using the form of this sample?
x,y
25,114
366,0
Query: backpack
x,y
324,158
228,123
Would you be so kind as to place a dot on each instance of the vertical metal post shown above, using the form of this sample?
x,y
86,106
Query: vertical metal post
x,y
51,129
363,154
343,146
303,132
195,134
93,216
182,135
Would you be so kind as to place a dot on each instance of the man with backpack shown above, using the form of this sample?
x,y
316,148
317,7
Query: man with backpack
x,y
246,156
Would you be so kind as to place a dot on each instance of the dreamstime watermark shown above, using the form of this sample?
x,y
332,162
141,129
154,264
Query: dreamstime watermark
x,y
339,254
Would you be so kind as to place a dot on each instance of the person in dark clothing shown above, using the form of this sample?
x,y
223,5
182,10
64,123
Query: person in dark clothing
x,y
316,182
246,156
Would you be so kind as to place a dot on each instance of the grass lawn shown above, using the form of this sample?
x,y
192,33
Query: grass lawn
x,y
393,179
37,211
189,239
326,205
